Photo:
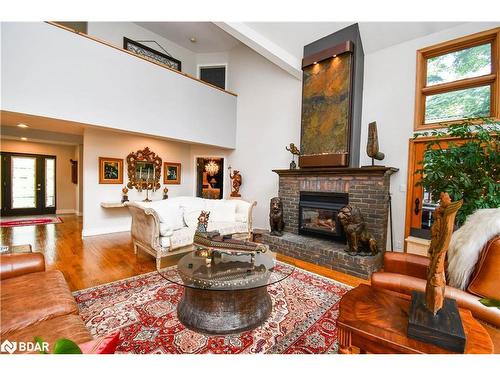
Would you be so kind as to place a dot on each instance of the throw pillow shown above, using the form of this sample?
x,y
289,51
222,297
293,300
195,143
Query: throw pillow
x,y
101,345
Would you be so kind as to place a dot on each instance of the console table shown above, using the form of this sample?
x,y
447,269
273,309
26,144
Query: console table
x,y
376,321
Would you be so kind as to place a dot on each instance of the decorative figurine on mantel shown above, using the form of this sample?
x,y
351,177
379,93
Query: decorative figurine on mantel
x,y
295,152
359,240
165,192
124,194
372,144
276,217
236,178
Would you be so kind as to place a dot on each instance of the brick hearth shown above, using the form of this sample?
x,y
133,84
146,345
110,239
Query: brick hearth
x,y
323,252
368,189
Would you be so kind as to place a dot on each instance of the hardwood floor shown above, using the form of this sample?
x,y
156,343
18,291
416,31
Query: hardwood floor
x,y
101,259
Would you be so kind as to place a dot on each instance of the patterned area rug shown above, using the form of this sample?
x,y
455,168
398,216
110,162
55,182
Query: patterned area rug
x,y
143,309
33,221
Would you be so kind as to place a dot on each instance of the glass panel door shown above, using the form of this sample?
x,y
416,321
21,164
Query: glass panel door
x,y
50,182
23,182
28,184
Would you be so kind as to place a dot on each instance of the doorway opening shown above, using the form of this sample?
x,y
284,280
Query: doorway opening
x,y
28,184
210,177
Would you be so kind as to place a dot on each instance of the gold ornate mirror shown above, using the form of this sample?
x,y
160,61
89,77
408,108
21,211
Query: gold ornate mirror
x,y
144,170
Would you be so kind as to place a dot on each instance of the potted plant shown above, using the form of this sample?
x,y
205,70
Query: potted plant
x,y
466,168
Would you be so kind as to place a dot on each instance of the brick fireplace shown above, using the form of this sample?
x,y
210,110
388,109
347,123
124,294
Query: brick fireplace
x,y
365,187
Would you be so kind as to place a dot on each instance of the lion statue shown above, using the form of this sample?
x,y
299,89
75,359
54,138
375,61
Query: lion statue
x,y
359,239
276,217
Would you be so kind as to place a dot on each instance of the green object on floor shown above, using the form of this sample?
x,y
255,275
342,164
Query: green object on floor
x,y
490,302
61,346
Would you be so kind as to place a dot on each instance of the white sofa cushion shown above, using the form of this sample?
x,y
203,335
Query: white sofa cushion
x,y
166,230
228,227
170,214
182,237
191,218
222,210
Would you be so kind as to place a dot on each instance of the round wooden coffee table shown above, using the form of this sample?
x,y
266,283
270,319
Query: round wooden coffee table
x,y
227,294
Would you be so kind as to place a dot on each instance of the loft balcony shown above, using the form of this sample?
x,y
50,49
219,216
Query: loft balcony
x,y
48,70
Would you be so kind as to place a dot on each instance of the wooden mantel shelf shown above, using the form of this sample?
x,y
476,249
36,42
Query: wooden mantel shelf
x,y
362,171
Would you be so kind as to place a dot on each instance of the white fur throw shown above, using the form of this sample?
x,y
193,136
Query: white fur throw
x,y
467,242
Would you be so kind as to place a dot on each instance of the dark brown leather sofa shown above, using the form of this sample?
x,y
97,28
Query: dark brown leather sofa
x,y
35,302
406,272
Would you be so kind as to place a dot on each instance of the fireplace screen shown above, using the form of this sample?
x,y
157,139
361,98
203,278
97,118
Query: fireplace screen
x,y
318,219
318,213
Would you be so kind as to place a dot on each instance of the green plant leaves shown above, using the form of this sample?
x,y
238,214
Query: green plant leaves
x,y
468,170
61,346
490,302
66,346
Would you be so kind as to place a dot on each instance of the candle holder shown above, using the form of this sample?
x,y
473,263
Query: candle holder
x,y
147,184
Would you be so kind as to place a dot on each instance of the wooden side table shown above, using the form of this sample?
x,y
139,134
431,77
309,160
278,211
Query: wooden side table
x,y
376,321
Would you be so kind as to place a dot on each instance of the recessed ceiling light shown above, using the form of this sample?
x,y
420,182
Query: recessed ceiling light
x,y
24,139
21,125
192,39
315,62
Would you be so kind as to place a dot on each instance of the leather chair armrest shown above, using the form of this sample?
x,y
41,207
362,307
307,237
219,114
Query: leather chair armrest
x,y
12,265
406,264
405,284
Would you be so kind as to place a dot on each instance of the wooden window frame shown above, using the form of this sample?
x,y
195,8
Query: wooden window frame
x,y
422,91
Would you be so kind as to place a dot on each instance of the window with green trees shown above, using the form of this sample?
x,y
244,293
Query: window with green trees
x,y
457,80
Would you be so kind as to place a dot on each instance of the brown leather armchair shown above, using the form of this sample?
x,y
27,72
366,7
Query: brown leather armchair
x,y
406,272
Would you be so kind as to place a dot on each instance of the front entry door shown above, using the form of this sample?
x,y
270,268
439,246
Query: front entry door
x,y
28,184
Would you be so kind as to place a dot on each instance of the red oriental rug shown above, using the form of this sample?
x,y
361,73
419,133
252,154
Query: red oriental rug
x,y
32,221
143,309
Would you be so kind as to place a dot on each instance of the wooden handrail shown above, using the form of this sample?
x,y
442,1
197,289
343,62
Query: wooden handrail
x,y
137,56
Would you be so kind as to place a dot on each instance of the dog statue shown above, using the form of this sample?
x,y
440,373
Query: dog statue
x,y
359,239
276,217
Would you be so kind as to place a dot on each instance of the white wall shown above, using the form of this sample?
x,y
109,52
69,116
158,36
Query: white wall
x,y
103,143
389,99
268,119
51,72
113,32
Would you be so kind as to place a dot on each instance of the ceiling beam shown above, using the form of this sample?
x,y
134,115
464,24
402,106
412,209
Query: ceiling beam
x,y
263,46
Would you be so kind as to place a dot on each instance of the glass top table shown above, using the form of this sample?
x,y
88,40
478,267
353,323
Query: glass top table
x,y
227,272
226,293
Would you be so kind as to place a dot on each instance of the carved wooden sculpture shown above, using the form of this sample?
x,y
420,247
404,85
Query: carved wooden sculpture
x,y
372,144
441,231
236,178
434,318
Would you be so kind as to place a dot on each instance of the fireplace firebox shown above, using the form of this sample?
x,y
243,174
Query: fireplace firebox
x,y
318,214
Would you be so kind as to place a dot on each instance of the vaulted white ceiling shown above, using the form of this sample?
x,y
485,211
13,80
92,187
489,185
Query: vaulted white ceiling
x,y
283,42
209,37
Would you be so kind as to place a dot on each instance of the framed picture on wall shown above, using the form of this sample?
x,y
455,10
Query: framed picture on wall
x,y
171,173
110,170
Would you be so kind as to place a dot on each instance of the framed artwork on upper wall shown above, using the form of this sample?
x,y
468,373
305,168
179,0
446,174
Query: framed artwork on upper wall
x,y
110,170
171,173
151,54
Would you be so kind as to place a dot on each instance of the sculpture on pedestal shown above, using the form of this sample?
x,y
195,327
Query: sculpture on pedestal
x,y
372,145
276,217
236,178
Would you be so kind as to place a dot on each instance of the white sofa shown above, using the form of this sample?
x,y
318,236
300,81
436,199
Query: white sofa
x,y
167,227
